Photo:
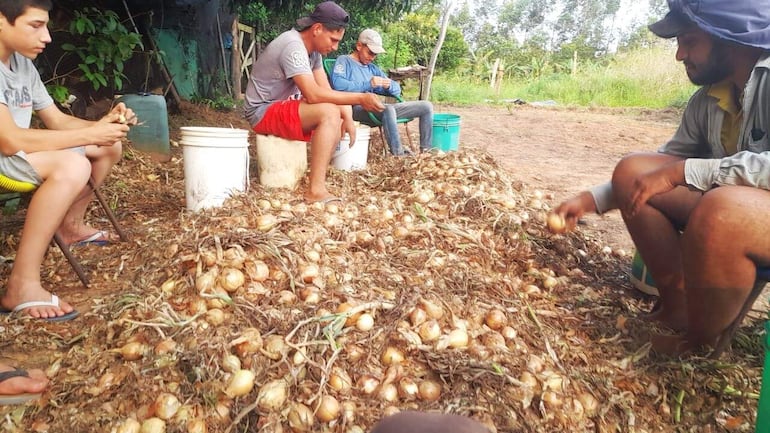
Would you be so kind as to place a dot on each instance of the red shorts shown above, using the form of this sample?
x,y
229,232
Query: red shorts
x,y
282,120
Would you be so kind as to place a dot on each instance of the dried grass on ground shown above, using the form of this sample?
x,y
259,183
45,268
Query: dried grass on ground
x,y
446,234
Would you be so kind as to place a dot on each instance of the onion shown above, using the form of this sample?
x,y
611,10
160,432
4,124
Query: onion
x,y
129,425
310,295
308,272
300,418
166,406
266,222
365,322
275,347
197,426
133,350
153,425
300,356
589,402
429,390
272,395
400,232
550,282
263,204
551,399
205,281
248,343
495,319
165,346
392,355
407,388
556,223
430,331
389,392
215,316
367,384
417,316
197,306
348,412
355,352
286,297
458,338
234,257
231,279
433,310
508,333
535,364
340,381
328,409
231,363
219,298
241,383
529,380
352,318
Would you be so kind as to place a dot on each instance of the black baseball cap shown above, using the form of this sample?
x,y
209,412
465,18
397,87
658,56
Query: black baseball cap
x,y
327,12
672,25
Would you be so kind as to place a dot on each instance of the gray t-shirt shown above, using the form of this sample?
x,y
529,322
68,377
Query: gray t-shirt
x,y
271,75
22,90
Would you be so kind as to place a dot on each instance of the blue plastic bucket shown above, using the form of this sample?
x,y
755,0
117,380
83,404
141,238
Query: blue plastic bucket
x,y
446,132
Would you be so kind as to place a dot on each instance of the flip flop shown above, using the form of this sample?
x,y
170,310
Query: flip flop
x,y
54,302
328,200
16,398
100,239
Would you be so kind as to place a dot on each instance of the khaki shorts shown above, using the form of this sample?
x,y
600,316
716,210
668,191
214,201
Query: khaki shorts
x,y
18,168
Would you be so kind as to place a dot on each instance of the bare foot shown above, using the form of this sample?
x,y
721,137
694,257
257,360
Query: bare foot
x,y
674,320
671,345
35,382
19,293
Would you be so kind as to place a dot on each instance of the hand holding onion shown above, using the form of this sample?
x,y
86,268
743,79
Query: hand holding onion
x,y
556,223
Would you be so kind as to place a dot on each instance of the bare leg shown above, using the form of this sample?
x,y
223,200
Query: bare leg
x,y
65,173
102,158
325,120
725,239
655,232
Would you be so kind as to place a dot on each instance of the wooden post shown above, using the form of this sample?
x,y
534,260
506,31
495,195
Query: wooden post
x,y
493,73
235,60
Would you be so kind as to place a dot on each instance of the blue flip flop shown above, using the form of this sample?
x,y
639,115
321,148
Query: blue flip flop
x,y
54,302
16,398
100,239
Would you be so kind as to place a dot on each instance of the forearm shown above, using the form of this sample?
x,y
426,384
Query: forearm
x,y
744,168
39,140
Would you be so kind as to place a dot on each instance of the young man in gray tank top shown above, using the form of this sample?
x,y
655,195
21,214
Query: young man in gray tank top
x,y
289,96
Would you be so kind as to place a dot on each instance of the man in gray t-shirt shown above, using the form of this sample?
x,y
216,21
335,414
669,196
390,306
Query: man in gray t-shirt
x,y
58,159
289,96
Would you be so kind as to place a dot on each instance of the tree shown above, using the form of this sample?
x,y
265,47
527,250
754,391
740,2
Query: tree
x,y
437,49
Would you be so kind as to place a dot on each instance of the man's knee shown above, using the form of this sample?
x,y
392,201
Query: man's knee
x,y
711,218
72,167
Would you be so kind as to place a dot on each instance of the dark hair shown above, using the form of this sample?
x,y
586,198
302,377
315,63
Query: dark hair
x,y
13,9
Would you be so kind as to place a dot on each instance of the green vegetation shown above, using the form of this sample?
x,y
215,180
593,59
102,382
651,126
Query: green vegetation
x,y
645,77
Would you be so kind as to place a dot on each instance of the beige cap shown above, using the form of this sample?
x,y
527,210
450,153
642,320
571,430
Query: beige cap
x,y
372,39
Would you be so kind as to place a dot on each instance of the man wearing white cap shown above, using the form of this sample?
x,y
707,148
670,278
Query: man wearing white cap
x,y
357,73
697,209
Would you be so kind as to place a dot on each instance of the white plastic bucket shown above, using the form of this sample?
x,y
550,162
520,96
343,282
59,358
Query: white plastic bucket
x,y
281,163
352,158
216,164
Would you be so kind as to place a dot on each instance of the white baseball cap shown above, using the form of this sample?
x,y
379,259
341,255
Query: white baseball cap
x,y
373,40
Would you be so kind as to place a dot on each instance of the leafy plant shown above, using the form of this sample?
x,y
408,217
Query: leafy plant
x,y
103,44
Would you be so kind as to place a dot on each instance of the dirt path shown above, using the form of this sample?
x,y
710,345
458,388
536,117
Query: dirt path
x,y
564,151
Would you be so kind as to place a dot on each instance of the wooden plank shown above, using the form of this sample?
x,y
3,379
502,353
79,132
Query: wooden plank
x,y
246,29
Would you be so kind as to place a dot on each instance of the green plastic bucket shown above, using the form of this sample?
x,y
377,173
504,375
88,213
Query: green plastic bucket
x,y
763,412
151,134
446,132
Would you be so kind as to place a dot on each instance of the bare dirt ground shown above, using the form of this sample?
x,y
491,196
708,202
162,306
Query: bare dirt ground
x,y
564,151
454,240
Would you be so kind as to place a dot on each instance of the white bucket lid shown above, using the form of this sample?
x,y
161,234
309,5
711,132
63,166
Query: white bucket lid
x,y
206,131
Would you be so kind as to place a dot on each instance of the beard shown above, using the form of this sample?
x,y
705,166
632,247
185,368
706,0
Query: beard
x,y
715,69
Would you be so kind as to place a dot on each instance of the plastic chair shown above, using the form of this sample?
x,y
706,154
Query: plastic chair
x,y
763,409
374,121
9,185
